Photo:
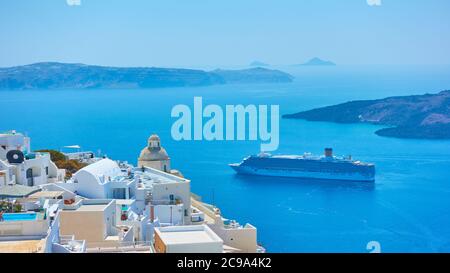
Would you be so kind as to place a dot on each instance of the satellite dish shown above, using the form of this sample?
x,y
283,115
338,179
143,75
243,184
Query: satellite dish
x,y
15,156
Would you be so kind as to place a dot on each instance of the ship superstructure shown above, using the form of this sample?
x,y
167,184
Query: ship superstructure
x,y
307,166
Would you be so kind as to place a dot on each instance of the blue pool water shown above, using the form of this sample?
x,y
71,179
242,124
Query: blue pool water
x,y
7,217
407,209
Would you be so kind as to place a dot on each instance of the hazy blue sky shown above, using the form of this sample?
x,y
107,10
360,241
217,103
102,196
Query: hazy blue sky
x,y
224,32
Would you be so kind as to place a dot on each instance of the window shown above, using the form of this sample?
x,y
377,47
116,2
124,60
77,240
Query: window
x,y
119,193
46,170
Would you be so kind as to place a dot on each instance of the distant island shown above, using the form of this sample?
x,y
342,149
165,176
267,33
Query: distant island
x,y
253,75
317,62
258,63
53,75
419,116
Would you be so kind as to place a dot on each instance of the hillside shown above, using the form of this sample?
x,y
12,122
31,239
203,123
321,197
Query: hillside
x,y
419,116
51,75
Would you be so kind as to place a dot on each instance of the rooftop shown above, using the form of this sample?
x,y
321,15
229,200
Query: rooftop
x,y
92,207
146,177
10,133
89,205
150,176
16,191
125,173
125,201
46,194
102,168
25,246
187,234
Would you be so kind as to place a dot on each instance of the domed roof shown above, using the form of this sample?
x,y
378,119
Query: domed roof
x,y
154,151
154,137
149,154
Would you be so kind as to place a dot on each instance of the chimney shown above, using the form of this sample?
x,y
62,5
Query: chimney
x,y
328,152
152,213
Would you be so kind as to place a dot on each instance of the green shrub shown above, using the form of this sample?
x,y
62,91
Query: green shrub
x,y
17,207
54,155
71,166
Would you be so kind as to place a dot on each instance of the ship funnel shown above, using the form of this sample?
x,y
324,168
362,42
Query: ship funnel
x,y
328,152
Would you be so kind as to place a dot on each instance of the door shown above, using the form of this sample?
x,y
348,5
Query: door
x,y
30,181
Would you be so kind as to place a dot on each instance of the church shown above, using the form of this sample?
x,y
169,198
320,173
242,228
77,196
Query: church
x,y
154,156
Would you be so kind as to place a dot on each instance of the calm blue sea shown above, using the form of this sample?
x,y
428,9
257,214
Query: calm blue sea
x,y
407,209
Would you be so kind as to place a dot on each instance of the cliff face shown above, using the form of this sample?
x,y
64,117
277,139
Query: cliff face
x,y
421,116
81,76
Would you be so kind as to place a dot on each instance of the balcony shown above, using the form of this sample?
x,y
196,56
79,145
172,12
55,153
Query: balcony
x,y
124,247
166,202
68,244
233,224
197,216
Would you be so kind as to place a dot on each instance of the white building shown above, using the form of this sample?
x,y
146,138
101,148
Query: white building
x,y
18,165
98,180
38,230
147,198
187,239
166,195
13,141
236,238
94,220
110,206
144,197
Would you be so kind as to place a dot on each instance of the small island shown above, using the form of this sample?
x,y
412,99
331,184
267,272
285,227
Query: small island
x,y
317,62
53,75
419,116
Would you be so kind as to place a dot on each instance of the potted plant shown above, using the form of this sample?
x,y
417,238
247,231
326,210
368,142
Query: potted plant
x,y
123,217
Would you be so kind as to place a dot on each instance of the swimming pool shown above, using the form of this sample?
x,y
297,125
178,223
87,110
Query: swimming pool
x,y
7,217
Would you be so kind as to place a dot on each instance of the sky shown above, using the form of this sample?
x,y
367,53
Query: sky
x,y
189,33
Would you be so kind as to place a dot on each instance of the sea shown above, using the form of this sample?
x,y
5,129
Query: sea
x,y
407,208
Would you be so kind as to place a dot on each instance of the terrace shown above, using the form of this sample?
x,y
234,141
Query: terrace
x,y
30,224
148,176
125,247
68,244
182,239
94,220
22,246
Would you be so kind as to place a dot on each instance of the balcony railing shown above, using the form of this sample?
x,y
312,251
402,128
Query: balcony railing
x,y
166,202
197,217
69,243
130,246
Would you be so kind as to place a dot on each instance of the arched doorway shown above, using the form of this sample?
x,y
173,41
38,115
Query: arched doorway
x,y
30,181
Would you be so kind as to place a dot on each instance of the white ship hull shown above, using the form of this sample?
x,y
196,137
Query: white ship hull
x,y
301,174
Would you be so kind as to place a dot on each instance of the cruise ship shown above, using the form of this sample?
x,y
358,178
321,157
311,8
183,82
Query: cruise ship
x,y
307,166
